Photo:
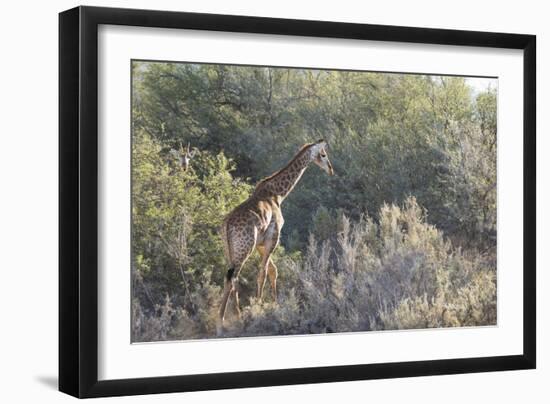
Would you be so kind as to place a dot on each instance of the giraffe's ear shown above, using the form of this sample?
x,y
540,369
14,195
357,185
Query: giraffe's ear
x,y
317,147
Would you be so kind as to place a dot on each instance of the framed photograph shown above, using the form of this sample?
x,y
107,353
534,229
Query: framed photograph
x,y
251,201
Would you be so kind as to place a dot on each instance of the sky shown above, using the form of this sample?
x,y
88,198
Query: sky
x,y
479,84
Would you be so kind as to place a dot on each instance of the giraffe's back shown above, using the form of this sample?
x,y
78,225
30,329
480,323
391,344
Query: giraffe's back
x,y
243,226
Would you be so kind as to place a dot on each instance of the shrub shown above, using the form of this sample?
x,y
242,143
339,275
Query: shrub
x,y
398,274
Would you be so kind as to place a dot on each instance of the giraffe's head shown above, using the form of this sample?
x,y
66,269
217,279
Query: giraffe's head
x,y
320,157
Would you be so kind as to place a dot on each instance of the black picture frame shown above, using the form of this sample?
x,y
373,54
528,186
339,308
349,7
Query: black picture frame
x,y
78,201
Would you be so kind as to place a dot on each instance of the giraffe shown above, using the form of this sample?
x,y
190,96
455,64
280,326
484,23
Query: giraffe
x,y
184,156
257,222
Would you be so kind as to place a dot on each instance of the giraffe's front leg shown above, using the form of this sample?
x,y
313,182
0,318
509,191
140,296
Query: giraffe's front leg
x,y
261,278
272,274
271,240
236,300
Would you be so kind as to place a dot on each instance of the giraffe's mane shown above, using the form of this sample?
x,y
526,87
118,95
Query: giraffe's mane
x,y
296,156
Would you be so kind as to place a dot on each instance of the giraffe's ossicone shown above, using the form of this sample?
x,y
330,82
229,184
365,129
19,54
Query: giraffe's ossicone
x,y
257,222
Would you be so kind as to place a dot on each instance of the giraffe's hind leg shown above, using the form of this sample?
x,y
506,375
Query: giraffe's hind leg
x,y
228,288
241,249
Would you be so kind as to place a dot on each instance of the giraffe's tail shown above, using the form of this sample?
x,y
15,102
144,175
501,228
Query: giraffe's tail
x,y
224,233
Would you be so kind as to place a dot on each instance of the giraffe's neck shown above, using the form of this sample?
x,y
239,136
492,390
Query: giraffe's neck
x,y
283,181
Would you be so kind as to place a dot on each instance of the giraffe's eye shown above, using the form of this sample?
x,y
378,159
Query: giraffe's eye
x,y
323,155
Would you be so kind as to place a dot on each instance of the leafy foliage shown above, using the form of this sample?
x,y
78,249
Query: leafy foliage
x,y
175,238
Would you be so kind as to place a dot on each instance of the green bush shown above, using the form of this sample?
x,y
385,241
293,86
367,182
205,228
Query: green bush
x,y
176,248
